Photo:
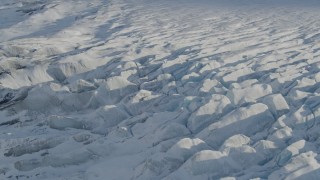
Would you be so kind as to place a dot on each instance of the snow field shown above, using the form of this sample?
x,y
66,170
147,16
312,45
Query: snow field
x,y
125,89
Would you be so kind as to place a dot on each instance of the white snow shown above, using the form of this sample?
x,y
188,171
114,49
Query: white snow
x,y
170,89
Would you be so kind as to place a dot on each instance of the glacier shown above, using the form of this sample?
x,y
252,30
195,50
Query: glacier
x,y
142,89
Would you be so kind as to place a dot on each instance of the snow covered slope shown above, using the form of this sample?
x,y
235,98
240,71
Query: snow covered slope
x,y
143,89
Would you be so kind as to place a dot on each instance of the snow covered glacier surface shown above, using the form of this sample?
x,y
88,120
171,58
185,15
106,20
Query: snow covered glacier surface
x,y
142,89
